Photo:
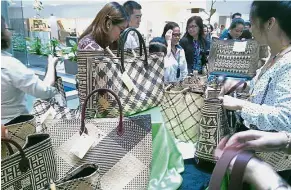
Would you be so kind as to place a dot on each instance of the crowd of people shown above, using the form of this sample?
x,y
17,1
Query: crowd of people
x,y
268,109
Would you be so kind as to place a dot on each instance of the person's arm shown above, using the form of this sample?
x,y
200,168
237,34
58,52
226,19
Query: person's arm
x,y
263,177
50,76
255,168
276,116
168,38
25,80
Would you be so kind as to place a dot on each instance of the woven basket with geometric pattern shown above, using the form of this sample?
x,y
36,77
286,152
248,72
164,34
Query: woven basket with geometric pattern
x,y
18,129
181,109
31,166
100,70
122,147
224,60
213,127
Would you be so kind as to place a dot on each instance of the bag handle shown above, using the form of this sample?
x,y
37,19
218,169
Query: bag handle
x,y
123,41
120,129
238,169
123,38
221,168
24,162
235,87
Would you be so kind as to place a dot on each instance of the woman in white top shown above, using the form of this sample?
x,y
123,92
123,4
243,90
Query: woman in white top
x,y
175,61
269,107
17,80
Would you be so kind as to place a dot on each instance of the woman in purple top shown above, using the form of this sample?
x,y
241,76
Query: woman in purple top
x,y
110,21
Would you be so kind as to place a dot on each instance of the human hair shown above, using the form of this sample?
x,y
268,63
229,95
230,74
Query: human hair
x,y
158,44
98,28
169,26
5,37
211,27
222,25
235,14
236,22
246,34
205,26
247,23
199,22
280,10
130,5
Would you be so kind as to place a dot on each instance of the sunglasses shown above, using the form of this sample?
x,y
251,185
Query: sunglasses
x,y
176,35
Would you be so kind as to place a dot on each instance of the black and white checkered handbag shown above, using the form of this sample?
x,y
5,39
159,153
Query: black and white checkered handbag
x,y
58,103
122,147
96,70
31,167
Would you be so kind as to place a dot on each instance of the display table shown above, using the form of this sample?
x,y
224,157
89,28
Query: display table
x,y
169,171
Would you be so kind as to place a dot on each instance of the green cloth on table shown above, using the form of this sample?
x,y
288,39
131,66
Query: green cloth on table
x,y
167,162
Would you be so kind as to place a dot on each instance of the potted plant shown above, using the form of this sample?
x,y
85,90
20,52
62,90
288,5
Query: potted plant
x,y
19,46
71,66
35,56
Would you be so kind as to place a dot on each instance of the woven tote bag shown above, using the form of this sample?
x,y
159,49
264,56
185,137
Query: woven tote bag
x,y
225,59
84,177
101,71
59,105
31,167
181,108
213,127
18,129
122,147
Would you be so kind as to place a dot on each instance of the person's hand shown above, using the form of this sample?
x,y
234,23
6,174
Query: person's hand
x,y
52,60
220,148
4,132
231,103
168,35
258,140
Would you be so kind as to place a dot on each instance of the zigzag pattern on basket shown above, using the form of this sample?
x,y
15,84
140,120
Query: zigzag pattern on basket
x,y
213,127
223,58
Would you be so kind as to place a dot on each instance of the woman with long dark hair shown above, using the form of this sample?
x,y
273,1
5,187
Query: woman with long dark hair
x,y
109,22
195,45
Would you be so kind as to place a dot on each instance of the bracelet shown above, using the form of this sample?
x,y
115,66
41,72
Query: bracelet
x,y
287,148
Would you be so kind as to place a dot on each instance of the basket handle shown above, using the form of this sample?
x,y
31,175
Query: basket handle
x,y
120,129
24,162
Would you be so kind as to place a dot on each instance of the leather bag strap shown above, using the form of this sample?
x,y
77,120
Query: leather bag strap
x,y
120,129
235,87
238,170
221,168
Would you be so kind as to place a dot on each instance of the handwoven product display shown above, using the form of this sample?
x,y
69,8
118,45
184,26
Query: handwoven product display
x,y
181,108
226,59
31,166
18,128
84,177
59,105
213,127
122,148
98,70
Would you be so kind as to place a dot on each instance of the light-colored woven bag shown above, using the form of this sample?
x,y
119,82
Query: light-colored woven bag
x,y
181,108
